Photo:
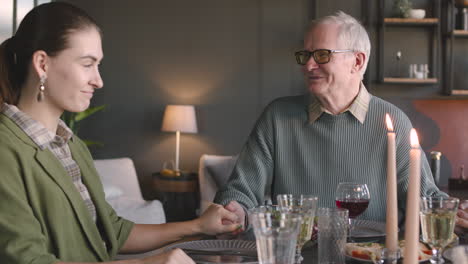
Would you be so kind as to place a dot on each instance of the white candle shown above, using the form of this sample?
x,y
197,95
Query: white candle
x,y
391,239
412,203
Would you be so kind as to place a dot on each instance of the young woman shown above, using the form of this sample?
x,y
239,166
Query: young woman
x,y
51,199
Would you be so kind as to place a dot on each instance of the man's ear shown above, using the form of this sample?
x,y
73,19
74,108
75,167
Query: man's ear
x,y
359,60
40,63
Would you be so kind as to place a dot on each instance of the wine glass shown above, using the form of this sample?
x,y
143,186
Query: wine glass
x,y
352,196
306,206
437,223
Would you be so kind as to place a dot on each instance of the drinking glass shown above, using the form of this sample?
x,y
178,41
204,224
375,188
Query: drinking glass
x,y
304,205
352,196
332,233
437,223
275,234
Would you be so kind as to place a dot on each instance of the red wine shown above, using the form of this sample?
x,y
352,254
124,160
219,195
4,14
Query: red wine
x,y
355,206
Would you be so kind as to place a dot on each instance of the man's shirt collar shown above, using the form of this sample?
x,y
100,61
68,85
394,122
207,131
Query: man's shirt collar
x,y
358,107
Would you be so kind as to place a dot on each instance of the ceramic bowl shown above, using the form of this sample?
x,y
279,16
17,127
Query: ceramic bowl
x,y
417,13
461,3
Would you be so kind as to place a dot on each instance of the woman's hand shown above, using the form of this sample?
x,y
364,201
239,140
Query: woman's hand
x,y
462,214
175,256
216,220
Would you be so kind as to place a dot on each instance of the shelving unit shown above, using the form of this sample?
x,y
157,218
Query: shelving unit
x,y
460,33
411,21
450,37
410,80
432,22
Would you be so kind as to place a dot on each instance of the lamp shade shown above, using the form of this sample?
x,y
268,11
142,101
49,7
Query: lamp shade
x,y
180,118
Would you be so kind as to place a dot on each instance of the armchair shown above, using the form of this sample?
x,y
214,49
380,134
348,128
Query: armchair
x,y
214,171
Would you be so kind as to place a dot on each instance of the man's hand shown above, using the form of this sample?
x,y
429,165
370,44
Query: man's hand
x,y
462,215
217,220
238,210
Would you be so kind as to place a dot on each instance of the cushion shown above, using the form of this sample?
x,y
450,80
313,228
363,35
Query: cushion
x,y
112,191
139,211
119,174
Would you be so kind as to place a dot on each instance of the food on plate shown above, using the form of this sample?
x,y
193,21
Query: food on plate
x,y
373,251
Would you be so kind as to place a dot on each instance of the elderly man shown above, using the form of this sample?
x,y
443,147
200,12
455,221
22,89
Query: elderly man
x,y
308,144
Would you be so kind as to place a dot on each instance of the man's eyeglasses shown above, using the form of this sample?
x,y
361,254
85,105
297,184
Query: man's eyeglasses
x,y
321,56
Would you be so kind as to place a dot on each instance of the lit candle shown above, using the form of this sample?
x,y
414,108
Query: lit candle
x,y
391,239
412,203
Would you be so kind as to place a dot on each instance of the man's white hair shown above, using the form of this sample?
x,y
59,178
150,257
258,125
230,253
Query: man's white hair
x,y
352,35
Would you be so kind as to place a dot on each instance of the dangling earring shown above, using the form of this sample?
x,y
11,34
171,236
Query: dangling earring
x,y
40,95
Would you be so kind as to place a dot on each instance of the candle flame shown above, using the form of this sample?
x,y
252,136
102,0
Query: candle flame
x,y
414,138
389,122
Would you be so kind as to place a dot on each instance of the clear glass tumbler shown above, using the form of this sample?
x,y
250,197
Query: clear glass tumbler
x,y
332,234
275,233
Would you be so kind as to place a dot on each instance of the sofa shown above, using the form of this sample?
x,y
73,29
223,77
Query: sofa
x,y
123,192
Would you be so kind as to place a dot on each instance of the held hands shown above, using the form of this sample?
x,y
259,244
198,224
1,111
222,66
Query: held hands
x,y
216,220
462,215
238,210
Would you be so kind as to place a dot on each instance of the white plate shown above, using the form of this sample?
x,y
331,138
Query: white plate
x,y
219,246
359,260
448,253
367,229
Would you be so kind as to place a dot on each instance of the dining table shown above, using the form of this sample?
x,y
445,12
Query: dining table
x,y
310,250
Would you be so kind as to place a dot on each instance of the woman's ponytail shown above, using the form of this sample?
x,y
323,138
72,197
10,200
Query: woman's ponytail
x,y
9,90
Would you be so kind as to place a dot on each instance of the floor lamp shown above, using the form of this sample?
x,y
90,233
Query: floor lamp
x,y
179,118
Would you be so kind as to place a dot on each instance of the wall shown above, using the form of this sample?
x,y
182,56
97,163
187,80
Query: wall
x,y
228,58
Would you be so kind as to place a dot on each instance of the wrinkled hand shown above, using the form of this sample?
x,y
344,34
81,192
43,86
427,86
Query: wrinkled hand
x,y
175,256
462,214
238,210
216,220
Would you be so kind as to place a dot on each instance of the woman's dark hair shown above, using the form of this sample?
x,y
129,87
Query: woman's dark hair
x,y
46,27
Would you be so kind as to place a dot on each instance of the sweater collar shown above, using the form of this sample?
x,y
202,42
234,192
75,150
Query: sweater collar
x,y
358,107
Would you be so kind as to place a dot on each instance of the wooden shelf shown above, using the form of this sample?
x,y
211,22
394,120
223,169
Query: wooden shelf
x,y
460,33
410,80
460,92
411,21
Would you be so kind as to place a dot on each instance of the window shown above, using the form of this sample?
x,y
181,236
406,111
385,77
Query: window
x,y
11,14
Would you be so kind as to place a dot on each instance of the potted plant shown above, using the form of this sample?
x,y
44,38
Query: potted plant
x,y
402,8
72,120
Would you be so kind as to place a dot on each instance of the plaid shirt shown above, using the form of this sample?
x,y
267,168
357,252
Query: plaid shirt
x,y
57,144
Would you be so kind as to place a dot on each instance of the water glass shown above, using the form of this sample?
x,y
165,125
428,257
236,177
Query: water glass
x,y
332,234
306,206
275,233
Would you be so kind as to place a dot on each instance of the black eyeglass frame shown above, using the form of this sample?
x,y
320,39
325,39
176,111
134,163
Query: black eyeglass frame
x,y
310,54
